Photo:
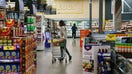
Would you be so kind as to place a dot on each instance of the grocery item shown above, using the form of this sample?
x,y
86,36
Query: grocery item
x,y
8,68
14,68
14,55
2,55
10,22
2,69
8,55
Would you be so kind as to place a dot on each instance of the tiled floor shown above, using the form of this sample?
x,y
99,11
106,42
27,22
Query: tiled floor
x,y
45,66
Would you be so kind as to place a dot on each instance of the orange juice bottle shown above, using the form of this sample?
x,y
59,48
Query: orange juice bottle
x,y
119,48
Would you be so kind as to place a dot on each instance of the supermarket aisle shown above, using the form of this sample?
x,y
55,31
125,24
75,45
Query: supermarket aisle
x,y
46,67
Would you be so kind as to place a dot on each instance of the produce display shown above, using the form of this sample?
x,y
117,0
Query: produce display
x,y
88,66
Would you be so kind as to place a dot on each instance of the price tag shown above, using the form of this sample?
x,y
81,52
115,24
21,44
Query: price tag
x,y
9,48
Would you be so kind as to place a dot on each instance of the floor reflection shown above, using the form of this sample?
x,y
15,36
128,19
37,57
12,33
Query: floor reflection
x,y
74,42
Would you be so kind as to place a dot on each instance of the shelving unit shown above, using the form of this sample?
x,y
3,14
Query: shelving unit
x,y
39,27
80,25
109,26
2,16
17,43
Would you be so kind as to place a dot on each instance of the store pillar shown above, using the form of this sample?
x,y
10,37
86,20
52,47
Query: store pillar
x,y
100,16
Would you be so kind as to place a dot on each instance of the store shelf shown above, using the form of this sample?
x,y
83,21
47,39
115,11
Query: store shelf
x,y
10,61
125,54
9,48
105,54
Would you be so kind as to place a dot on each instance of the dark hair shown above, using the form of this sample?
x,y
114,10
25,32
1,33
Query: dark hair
x,y
61,23
74,24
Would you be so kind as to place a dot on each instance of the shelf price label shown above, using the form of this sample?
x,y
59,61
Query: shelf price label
x,y
9,48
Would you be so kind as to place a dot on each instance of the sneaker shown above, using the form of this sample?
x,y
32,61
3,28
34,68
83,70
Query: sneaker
x,y
70,58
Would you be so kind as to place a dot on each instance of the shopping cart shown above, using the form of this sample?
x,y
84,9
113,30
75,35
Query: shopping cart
x,y
56,53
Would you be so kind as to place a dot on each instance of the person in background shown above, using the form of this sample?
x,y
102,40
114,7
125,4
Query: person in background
x,y
63,40
74,29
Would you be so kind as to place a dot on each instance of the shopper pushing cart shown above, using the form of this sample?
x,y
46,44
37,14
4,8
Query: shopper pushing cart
x,y
62,41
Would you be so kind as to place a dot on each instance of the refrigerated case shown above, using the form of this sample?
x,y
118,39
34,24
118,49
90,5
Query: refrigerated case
x,y
80,26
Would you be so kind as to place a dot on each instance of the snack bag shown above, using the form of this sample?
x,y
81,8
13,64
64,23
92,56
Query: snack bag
x,y
14,68
8,69
13,55
2,69
2,55
8,55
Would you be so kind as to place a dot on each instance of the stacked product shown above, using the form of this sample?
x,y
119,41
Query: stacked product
x,y
30,26
9,54
123,47
38,27
31,31
28,46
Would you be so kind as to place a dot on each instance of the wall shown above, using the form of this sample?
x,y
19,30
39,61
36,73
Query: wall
x,y
74,9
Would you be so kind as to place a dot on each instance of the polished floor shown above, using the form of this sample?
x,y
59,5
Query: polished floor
x,y
44,60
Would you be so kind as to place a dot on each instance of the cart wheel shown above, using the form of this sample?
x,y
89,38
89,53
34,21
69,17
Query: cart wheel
x,y
60,59
53,60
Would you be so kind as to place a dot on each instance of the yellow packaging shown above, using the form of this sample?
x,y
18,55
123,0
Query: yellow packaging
x,y
110,37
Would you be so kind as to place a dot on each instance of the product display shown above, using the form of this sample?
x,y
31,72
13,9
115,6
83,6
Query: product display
x,y
96,58
17,43
30,26
104,58
34,42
